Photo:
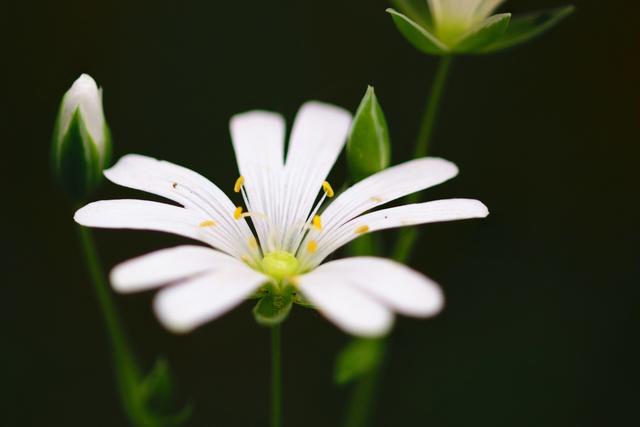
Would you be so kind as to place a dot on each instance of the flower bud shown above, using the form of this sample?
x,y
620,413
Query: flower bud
x,y
81,147
368,146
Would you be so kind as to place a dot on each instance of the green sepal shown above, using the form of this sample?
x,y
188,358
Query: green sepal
x,y
368,146
77,164
274,307
357,359
155,396
527,27
483,34
416,10
420,37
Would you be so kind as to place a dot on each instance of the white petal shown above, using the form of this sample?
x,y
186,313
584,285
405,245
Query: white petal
x,y
167,265
182,185
85,95
318,136
146,215
486,8
400,288
258,141
182,308
386,186
457,11
345,305
401,216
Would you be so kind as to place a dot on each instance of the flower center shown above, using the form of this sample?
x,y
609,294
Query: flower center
x,y
280,264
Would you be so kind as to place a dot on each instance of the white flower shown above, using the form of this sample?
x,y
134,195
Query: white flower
x,y
292,235
452,19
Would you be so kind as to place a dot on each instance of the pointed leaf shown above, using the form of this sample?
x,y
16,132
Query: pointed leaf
x,y
155,399
358,358
368,147
525,28
420,37
273,308
490,30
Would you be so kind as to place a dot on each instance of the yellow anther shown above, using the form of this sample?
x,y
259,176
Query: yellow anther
x,y
246,259
237,214
317,222
208,223
312,246
239,183
253,243
327,189
362,229
376,199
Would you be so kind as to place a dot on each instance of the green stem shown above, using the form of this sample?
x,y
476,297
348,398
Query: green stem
x,y
409,235
363,397
127,373
276,376
361,406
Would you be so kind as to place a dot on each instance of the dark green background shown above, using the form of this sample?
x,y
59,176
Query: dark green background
x,y
541,323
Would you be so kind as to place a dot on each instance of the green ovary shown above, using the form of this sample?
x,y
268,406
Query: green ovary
x,y
280,264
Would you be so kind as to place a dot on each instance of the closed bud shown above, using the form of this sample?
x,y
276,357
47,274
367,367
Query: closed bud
x,y
368,147
81,146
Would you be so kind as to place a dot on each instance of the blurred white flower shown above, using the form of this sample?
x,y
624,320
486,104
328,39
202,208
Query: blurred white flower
x,y
291,235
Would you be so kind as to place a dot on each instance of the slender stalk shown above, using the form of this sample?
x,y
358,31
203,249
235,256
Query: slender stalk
x,y
127,373
276,376
361,406
409,235
363,398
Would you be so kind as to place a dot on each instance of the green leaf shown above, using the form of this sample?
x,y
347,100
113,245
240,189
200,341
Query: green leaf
x,y
368,147
155,388
525,28
273,308
358,358
155,397
485,33
420,37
